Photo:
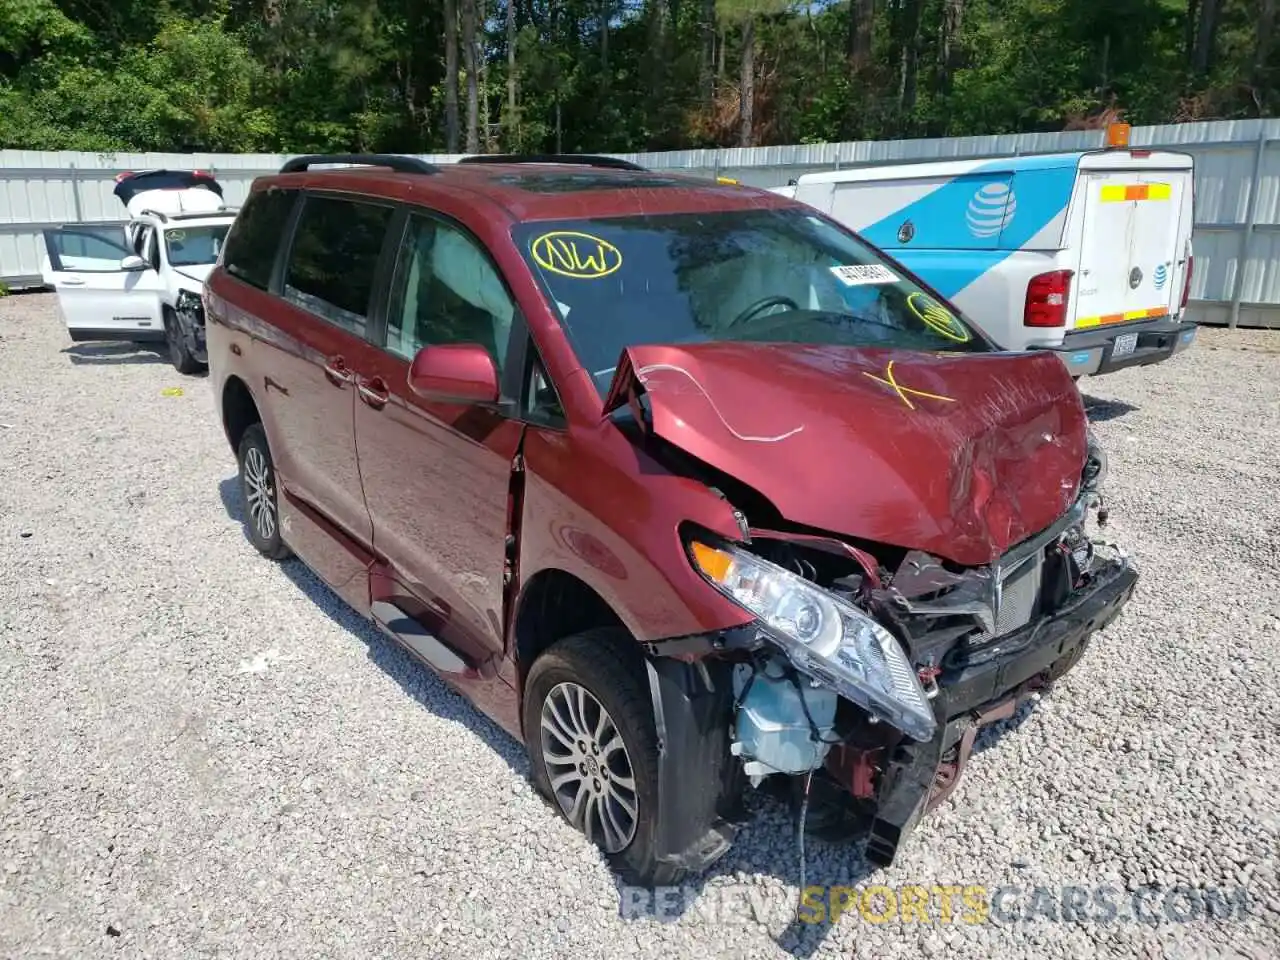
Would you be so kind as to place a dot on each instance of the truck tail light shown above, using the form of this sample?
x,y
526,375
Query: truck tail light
x,y
1047,296
1186,283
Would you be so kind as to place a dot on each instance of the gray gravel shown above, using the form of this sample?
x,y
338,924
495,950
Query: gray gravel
x,y
202,753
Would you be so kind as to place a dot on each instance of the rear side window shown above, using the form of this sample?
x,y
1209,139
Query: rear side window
x,y
252,242
335,254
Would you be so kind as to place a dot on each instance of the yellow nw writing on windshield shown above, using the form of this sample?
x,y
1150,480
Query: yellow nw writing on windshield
x,y
578,255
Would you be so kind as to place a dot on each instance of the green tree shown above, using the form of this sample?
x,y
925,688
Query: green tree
x,y
612,75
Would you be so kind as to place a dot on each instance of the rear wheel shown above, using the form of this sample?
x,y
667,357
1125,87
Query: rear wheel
x,y
258,492
588,724
179,354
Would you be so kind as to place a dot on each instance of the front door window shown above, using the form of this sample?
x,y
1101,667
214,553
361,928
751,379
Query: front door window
x,y
450,292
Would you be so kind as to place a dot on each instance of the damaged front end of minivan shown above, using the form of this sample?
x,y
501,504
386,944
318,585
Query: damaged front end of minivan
x,y
876,652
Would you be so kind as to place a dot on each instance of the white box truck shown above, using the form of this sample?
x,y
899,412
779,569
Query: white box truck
x,y
1087,254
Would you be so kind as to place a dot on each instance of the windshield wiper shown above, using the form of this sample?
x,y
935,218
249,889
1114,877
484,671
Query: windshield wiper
x,y
856,318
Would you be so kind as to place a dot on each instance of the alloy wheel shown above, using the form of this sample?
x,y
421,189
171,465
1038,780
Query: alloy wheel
x,y
260,493
588,766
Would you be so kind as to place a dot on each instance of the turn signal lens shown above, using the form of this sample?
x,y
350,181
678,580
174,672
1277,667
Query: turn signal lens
x,y
713,563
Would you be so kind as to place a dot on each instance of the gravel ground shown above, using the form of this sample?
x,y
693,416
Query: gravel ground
x,y
202,753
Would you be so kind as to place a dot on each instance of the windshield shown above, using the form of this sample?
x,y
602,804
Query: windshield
x,y
780,276
194,246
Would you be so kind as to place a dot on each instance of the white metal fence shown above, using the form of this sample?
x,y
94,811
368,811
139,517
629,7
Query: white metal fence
x,y
1237,232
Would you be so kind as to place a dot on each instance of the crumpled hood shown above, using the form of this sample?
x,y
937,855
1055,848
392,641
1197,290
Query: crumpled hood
x,y
194,275
959,455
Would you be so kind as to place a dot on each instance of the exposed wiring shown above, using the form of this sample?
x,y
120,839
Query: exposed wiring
x,y
640,374
804,813
746,688
814,732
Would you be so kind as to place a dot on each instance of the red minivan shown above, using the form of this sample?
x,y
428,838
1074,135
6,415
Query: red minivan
x,y
679,481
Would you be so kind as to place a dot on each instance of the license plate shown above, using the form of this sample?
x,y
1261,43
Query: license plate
x,y
1124,345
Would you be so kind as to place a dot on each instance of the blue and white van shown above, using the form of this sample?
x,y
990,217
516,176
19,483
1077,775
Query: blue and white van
x,y
1087,254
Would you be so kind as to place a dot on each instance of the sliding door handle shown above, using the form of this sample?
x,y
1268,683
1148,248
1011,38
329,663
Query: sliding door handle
x,y
336,369
373,392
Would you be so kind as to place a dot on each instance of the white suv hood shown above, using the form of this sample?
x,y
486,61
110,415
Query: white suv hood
x,y
192,277
199,272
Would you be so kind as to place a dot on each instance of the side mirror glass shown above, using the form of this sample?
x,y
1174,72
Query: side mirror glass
x,y
133,263
455,373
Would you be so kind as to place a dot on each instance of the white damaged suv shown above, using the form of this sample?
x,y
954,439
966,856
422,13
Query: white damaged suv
x,y
141,280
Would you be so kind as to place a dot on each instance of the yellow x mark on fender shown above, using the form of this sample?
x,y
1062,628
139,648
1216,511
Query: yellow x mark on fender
x,y
902,391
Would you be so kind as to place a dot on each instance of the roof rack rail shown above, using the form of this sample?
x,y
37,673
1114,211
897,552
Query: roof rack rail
x,y
398,163
164,217
576,159
201,214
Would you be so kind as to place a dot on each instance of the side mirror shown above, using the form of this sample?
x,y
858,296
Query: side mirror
x,y
454,373
133,263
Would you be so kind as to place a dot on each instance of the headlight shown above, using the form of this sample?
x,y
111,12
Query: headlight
x,y
825,637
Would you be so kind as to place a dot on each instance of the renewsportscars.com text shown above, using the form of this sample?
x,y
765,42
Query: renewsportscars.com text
x,y
968,904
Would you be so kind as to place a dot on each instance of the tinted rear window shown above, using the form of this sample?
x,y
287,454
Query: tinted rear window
x,y
334,258
255,236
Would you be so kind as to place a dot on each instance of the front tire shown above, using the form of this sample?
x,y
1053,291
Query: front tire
x,y
588,726
258,493
179,353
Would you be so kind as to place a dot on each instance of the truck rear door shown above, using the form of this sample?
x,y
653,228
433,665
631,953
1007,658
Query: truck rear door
x,y
1130,247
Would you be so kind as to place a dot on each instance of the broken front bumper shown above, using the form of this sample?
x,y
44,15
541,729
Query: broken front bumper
x,y
984,689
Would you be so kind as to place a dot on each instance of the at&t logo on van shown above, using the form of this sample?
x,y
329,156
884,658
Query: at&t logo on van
x,y
991,210
1161,276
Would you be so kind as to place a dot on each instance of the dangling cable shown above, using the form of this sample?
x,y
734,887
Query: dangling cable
x,y
804,812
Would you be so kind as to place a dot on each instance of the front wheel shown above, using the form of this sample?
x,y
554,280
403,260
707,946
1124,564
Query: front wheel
x,y
179,353
258,493
588,726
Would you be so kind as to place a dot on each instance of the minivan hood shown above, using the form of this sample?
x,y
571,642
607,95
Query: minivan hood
x,y
958,455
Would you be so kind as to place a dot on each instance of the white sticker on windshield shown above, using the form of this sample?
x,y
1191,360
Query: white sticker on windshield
x,y
857,274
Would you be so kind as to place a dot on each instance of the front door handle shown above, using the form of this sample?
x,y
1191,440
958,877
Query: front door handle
x,y
336,369
73,281
373,392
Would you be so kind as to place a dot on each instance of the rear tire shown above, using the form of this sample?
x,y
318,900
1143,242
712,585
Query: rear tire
x,y
588,723
258,492
179,354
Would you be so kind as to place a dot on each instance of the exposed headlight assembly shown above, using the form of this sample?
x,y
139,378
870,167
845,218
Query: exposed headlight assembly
x,y
825,637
